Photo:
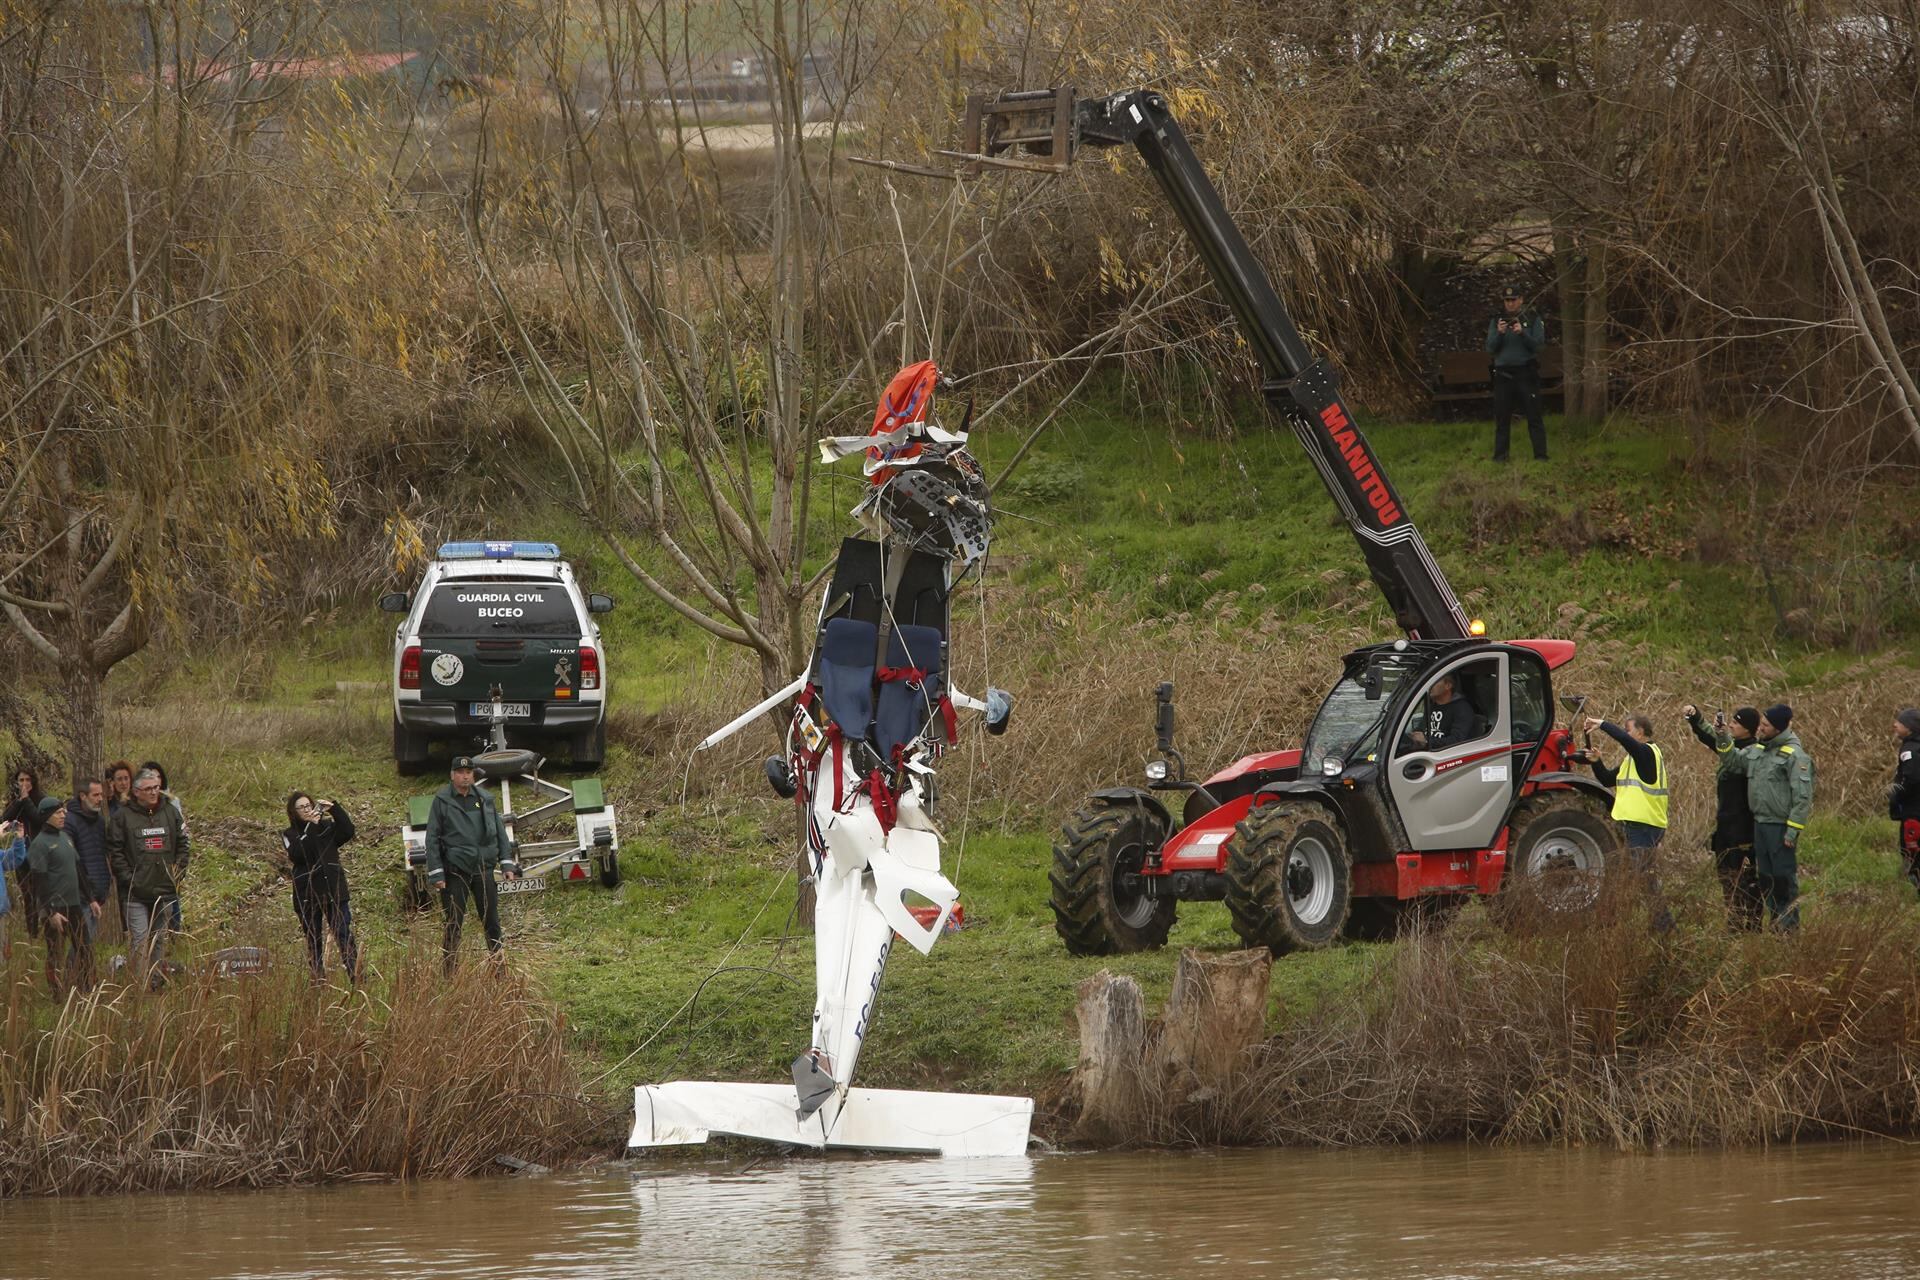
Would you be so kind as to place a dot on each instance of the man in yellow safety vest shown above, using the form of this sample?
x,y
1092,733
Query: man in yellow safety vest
x,y
1640,798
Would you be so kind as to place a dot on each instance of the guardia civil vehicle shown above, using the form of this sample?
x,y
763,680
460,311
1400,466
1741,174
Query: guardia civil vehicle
x,y
499,642
505,617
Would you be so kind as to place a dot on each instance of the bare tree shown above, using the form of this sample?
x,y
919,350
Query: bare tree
x,y
159,302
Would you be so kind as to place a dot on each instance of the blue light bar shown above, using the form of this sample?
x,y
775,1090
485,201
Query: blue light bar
x,y
499,551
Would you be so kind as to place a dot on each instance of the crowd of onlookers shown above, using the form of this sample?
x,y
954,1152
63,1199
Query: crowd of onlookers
x,y
112,852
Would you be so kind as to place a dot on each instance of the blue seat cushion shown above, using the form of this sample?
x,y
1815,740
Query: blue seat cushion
x,y
847,646
903,710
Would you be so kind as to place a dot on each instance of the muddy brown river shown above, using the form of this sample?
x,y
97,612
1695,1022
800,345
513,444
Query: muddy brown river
x,y
1837,1212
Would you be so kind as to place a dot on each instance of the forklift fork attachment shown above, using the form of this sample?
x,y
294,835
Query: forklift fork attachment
x,y
1032,129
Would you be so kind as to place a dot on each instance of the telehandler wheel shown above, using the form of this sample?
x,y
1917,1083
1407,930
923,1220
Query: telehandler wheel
x,y
1097,907
1561,846
1289,877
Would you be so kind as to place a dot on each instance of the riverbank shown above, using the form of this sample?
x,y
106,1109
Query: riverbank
x,y
268,1079
1128,554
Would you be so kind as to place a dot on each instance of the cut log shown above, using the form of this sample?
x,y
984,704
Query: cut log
x,y
1217,1011
1113,1034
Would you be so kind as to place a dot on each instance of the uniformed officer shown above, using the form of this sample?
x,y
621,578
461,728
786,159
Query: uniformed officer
x,y
1514,339
465,841
1780,789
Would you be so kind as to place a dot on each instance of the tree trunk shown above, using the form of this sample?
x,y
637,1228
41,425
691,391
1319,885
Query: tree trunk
x,y
1217,1011
1566,257
1593,357
84,718
1113,1037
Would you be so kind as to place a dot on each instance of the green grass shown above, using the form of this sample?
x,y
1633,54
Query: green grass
x,y
1620,522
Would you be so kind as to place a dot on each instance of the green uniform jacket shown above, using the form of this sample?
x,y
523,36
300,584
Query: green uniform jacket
x,y
1512,350
148,850
1779,780
55,866
464,833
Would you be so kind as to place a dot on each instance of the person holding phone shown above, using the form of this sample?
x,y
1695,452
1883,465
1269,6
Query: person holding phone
x,y
23,811
315,831
1514,339
1732,838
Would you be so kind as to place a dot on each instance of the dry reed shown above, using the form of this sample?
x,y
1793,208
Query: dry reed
x,y
1597,1034
270,1079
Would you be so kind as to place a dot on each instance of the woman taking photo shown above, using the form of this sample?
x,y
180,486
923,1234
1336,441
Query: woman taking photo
x,y
23,810
315,831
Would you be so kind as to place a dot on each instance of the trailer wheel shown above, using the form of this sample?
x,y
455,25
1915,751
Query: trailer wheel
x,y
610,870
416,894
1100,851
1562,841
1289,878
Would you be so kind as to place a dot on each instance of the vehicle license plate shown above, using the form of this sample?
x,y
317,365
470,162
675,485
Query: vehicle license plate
x,y
526,884
514,710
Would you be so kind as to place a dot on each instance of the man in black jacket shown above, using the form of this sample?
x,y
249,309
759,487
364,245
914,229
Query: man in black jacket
x,y
1449,718
1732,839
87,828
1903,794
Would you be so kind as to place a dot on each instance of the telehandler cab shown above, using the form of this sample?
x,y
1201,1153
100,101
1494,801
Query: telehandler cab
x,y
1432,768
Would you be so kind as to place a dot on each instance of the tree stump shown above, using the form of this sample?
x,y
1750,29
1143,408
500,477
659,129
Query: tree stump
x,y
1135,1078
1217,1011
1113,1036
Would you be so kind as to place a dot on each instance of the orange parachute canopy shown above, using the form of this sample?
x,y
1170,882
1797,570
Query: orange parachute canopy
x,y
907,400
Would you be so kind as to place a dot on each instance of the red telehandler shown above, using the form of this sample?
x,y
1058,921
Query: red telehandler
x,y
1433,767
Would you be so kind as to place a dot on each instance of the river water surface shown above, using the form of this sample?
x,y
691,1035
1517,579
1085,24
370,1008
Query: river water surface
x,y
1829,1211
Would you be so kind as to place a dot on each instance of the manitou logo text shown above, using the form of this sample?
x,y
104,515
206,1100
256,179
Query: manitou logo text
x,y
1348,442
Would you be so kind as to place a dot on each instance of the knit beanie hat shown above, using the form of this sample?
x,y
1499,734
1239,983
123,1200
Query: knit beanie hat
x,y
1779,715
1747,718
1910,718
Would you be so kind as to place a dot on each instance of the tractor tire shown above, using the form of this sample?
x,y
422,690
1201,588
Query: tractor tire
x,y
1093,913
1560,850
1289,878
610,870
409,750
590,747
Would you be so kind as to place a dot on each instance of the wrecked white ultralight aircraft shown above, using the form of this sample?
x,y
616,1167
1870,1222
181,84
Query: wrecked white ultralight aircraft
x,y
874,712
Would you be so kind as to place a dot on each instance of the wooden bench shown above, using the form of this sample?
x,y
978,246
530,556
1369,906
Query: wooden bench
x,y
1464,376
